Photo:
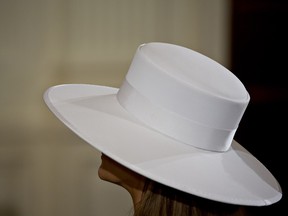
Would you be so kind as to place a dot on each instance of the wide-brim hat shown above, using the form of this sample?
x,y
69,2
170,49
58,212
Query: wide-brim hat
x,y
172,120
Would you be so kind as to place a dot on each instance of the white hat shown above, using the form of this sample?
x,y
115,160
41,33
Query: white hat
x,y
173,120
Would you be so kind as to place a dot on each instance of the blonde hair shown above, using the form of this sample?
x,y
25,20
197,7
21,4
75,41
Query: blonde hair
x,y
160,200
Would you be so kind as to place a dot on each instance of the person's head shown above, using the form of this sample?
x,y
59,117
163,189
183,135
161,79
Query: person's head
x,y
172,121
153,198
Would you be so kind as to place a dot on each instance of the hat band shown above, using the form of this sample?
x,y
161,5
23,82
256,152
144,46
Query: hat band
x,y
172,124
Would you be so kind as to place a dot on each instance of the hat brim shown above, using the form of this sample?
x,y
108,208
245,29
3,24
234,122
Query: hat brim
x,y
94,114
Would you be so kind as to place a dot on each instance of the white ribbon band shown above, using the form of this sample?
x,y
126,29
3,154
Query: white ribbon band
x,y
171,124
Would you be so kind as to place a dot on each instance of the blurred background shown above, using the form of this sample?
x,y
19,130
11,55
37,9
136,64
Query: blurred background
x,y
46,170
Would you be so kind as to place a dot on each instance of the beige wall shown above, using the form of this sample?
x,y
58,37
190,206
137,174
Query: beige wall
x,y
45,169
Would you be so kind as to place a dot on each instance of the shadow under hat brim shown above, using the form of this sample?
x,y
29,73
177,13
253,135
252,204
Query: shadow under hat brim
x,y
94,114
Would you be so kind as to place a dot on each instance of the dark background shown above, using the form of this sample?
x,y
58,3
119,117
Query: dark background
x,y
259,59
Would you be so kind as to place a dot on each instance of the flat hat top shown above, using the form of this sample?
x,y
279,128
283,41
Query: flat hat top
x,y
178,62
142,129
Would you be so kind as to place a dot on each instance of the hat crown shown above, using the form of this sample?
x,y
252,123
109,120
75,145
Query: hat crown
x,y
194,69
185,95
